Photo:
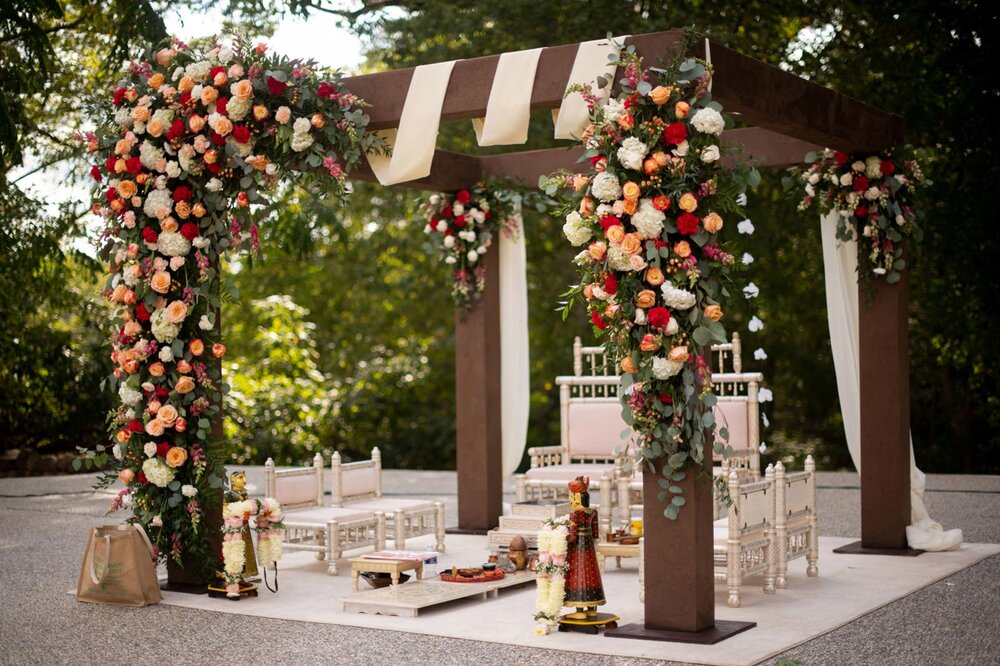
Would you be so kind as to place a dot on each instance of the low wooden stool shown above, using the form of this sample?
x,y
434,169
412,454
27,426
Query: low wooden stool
x,y
607,549
391,567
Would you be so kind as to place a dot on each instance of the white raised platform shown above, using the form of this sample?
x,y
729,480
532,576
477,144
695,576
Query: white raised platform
x,y
412,597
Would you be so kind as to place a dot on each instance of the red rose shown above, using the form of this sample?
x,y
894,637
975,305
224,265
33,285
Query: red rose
x,y
275,86
141,478
887,168
658,317
447,212
182,193
611,284
675,133
95,173
598,320
463,196
109,164
111,194
213,167
326,90
189,230
133,165
860,183
135,425
609,221
595,159
184,98
118,97
459,222
241,133
687,224
161,392
218,139
149,235
176,130
162,448
220,105
215,71
841,157
666,399
142,312
861,212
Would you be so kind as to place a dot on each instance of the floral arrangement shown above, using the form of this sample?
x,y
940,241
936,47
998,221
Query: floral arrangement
x,y
463,226
267,524
873,197
654,270
189,147
551,574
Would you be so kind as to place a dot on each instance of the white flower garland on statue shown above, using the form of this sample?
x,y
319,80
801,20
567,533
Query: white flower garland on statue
x,y
551,580
267,524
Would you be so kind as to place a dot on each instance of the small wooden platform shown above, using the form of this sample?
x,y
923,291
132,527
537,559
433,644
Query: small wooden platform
x,y
410,598
607,549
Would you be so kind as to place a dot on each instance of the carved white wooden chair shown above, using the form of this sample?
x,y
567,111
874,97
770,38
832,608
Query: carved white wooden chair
x,y
590,432
358,486
746,541
796,526
310,526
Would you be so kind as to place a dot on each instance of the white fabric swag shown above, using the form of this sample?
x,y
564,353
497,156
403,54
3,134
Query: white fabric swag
x,y
840,263
515,369
591,62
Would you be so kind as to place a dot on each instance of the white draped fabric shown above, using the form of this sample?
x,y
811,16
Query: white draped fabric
x,y
508,110
840,262
591,61
515,372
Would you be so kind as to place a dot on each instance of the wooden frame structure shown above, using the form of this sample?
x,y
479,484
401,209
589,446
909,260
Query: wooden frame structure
x,y
787,117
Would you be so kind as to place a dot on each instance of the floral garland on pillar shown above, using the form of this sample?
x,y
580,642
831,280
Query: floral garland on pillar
x,y
873,197
188,147
655,271
550,578
463,227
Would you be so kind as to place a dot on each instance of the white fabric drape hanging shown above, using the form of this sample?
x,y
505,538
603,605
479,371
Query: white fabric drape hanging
x,y
591,61
508,111
840,261
515,377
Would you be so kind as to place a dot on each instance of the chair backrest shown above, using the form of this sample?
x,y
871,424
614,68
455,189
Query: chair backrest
x,y
753,504
296,488
796,492
356,480
595,362
740,416
590,418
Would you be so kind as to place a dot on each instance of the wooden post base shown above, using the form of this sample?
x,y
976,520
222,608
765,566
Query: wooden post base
x,y
722,630
858,548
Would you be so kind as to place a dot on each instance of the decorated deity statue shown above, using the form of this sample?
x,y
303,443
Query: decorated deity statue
x,y
584,590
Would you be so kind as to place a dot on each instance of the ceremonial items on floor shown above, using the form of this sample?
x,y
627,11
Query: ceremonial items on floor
x,y
119,567
518,552
373,569
471,575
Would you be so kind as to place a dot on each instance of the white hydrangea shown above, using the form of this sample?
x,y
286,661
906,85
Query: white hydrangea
x,y
198,70
237,108
582,258
676,298
708,121
157,472
123,116
225,55
577,231
158,201
301,141
606,186
647,220
163,329
632,152
173,244
149,154
603,209
129,395
618,259
165,116
613,110
188,490
301,126
664,368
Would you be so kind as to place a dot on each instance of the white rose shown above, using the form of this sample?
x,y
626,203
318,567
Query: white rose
x,y
225,55
449,241
681,150
814,178
665,368
188,490
672,327
678,299
458,208
473,256
213,185
858,166
450,260
810,190
301,126
606,187
710,154
173,169
435,199
872,193
442,226
600,294
149,448
166,354
576,230
846,179
640,317
708,121
647,220
157,521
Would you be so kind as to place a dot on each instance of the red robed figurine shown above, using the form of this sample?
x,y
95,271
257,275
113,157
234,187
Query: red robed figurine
x,y
584,590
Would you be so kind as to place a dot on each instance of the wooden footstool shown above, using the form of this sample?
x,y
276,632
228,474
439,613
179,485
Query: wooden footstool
x,y
615,550
391,567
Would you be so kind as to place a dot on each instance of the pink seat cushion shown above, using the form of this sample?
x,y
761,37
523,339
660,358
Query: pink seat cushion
x,y
732,415
390,506
569,472
323,515
595,428
296,488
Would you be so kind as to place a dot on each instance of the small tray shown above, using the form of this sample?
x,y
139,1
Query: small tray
x,y
484,577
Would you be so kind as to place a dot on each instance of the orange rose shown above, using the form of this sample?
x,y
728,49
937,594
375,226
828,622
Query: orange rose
x,y
713,312
177,312
223,126
199,210
244,90
597,250
196,123
183,367
678,354
260,111
630,206
631,244
688,202
183,209
123,436
196,347
646,298
155,81
154,128
630,190
209,95
580,182
130,365
628,365
127,189
649,343
176,456
615,233
141,114
611,311
167,415
164,56
117,205
712,223
587,206
130,298
588,291
154,428
168,224
660,95
682,249
131,95
126,476
661,202
317,121
654,276
141,179
650,166
185,84
157,369
681,109
184,385
120,165
210,156
626,121
118,295
218,350
160,283
661,158
220,79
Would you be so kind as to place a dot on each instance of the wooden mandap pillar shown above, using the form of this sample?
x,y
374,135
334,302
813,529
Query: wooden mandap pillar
x,y
477,406
884,360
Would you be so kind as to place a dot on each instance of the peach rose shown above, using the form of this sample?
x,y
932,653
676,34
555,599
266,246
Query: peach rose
x,y
218,350
713,312
199,210
588,291
176,456
654,276
631,244
141,114
127,189
646,298
210,156
118,295
611,311
126,476
587,206
160,283
601,165
167,415
220,79
131,94
597,250
196,347
130,365
183,209
260,112
318,121
120,165
223,126
209,95
177,312
168,224
580,182
196,123
649,343
130,297
164,56
682,249
712,223
626,121
184,385
132,329
183,367
681,109
688,202
627,364
123,436
678,354
283,114
153,407
157,369
630,206
615,233
180,425
154,428
650,166
661,158
661,202
155,128
630,190
156,80
660,95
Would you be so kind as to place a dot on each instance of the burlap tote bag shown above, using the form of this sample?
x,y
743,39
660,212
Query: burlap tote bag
x,y
118,568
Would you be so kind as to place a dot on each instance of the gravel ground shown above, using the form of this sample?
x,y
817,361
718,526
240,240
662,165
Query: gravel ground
x,y
44,524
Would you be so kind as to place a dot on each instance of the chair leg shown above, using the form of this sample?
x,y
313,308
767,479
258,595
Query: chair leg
x,y
321,540
734,577
607,505
333,548
399,530
439,526
521,487
379,530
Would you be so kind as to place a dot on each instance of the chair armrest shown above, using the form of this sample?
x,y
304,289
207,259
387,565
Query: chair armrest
x,y
545,456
